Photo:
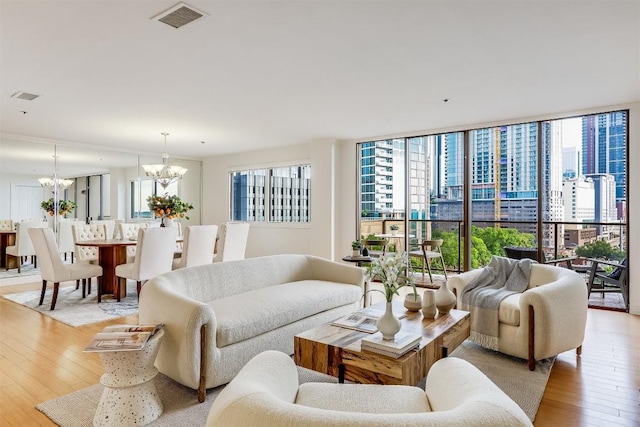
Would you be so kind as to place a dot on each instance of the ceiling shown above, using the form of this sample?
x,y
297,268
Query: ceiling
x,y
258,74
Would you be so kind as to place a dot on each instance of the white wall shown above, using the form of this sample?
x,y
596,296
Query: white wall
x,y
7,182
333,187
315,237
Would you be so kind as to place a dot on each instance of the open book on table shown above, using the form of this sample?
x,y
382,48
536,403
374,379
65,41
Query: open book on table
x,y
122,338
365,320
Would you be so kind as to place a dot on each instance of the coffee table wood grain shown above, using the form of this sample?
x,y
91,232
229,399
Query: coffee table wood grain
x,y
336,351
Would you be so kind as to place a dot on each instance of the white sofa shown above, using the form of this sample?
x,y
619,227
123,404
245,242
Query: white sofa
x,y
266,394
218,316
543,321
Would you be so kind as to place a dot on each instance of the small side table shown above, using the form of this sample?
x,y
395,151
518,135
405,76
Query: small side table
x,y
130,396
359,260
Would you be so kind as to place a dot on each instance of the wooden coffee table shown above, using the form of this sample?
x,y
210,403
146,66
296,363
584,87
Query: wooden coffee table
x,y
336,351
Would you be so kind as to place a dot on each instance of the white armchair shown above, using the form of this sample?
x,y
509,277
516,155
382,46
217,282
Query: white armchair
x,y
543,321
266,393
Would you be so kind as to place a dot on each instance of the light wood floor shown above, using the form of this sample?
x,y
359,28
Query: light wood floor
x,y
41,359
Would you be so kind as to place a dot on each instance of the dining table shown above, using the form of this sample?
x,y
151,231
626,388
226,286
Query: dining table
x,y
7,238
111,253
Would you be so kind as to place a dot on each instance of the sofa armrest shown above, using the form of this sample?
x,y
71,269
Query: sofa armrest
x,y
457,284
560,310
330,271
183,317
271,372
451,382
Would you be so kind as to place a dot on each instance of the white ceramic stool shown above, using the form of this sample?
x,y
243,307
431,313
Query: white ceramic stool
x,y
130,397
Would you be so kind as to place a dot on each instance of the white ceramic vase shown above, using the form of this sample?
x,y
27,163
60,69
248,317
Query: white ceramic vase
x,y
445,299
429,304
355,252
413,302
387,324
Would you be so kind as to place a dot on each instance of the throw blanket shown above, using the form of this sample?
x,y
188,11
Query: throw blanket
x,y
483,295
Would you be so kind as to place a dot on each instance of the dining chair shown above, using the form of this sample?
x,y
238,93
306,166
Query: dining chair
x,y
23,247
154,256
66,245
82,232
6,225
198,245
52,267
129,230
110,224
432,249
232,242
376,247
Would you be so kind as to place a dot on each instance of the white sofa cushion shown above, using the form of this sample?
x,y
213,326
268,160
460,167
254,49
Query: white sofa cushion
x,y
249,314
397,399
509,310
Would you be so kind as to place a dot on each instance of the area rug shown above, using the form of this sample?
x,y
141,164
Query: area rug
x,y
25,270
74,310
181,407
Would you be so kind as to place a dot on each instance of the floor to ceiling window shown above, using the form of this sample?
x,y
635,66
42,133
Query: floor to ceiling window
x,y
554,187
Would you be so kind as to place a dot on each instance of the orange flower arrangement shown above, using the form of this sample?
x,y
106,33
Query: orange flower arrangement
x,y
168,207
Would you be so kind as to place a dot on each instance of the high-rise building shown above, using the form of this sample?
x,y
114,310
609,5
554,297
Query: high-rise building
x,y
571,161
604,150
579,201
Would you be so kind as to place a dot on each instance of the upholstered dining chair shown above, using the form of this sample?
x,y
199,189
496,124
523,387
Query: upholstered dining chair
x,y
6,225
23,246
82,232
198,245
154,256
232,242
129,230
53,269
66,245
110,225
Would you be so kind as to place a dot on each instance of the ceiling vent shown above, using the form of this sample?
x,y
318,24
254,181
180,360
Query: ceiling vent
x,y
25,95
179,15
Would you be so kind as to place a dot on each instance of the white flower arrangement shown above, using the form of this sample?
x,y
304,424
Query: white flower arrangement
x,y
391,270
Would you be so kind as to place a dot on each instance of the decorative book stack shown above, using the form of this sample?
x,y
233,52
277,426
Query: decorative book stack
x,y
365,320
402,343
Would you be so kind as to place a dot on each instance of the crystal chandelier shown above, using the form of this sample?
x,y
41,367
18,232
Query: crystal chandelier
x,y
61,183
164,174
55,183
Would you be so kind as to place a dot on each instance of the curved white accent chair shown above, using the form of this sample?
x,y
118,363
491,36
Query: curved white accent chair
x,y
198,245
66,244
232,242
6,225
53,269
548,318
110,224
266,393
23,246
154,255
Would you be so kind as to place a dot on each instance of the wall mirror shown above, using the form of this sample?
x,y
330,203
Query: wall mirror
x,y
107,184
